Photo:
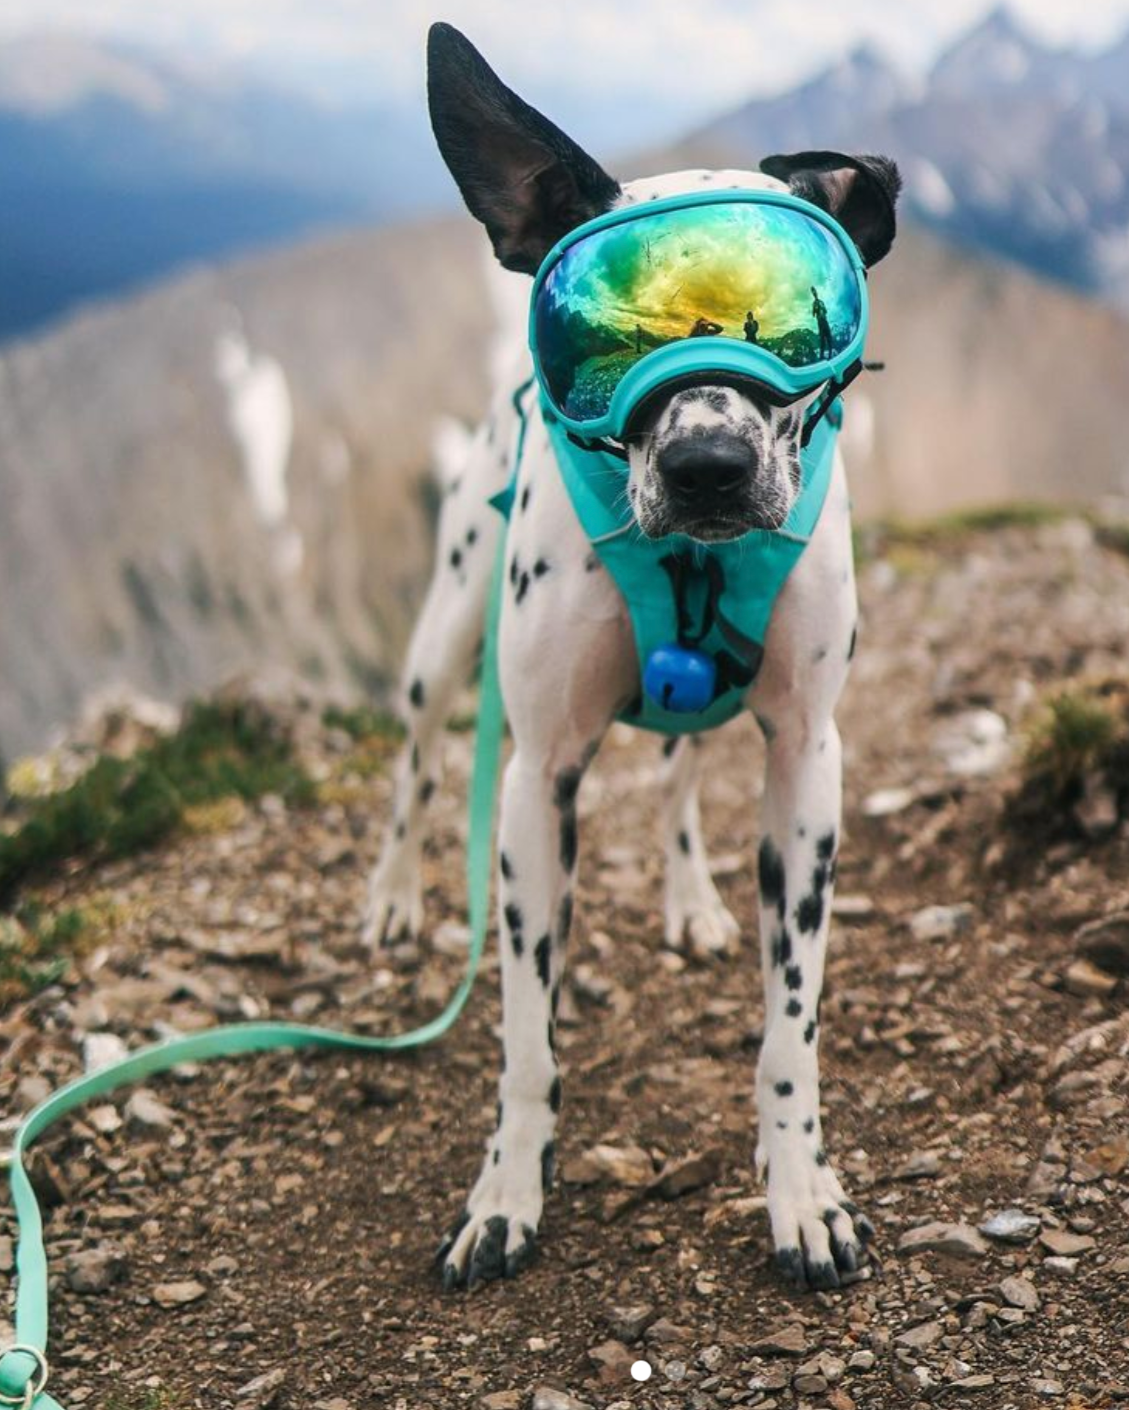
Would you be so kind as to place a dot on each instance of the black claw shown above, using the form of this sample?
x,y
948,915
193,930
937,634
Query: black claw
x,y
863,1227
522,1256
451,1236
790,1266
489,1258
450,1278
821,1276
844,1251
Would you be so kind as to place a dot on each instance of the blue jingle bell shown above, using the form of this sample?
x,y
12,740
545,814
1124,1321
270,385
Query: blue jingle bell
x,y
680,679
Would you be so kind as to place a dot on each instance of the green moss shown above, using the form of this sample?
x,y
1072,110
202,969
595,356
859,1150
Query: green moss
x,y
1077,733
122,806
363,723
145,1398
36,946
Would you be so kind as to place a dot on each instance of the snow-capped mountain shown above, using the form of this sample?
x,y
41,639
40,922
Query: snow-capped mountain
x,y
1008,145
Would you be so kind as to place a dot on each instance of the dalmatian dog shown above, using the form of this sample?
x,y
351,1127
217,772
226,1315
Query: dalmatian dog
x,y
530,184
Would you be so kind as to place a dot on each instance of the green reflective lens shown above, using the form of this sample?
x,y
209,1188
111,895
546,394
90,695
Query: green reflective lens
x,y
758,273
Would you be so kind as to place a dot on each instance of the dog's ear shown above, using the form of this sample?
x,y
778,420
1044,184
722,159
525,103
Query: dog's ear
x,y
519,174
860,192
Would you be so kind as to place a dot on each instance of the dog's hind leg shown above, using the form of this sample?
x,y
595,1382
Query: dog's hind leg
x,y
696,916
441,657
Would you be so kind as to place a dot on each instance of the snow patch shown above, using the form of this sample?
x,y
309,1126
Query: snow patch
x,y
931,189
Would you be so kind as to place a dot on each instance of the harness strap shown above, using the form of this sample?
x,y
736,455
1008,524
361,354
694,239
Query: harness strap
x,y
24,1368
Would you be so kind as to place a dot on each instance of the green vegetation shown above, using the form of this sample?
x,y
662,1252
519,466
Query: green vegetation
x,y
144,1398
1079,732
122,806
912,539
363,723
35,947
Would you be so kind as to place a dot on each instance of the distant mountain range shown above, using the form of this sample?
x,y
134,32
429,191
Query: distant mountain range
x,y
1007,145
117,166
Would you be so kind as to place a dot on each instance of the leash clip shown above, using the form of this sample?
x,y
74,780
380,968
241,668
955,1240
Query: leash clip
x,y
37,1381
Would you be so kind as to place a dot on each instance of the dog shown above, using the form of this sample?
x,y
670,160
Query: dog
x,y
530,184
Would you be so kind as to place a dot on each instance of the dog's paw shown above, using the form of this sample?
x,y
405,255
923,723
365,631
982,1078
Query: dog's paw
x,y
482,1249
821,1238
394,910
703,929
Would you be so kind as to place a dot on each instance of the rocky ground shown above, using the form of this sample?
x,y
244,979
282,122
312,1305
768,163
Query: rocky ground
x,y
260,1233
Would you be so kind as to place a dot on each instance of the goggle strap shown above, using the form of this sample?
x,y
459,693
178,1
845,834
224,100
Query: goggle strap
x,y
834,389
602,444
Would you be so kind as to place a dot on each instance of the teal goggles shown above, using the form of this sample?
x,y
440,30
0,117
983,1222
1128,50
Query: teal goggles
x,y
739,286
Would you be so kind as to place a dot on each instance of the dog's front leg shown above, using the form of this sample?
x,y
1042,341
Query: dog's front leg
x,y
567,664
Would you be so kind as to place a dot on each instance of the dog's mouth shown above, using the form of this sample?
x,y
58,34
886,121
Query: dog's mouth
x,y
710,528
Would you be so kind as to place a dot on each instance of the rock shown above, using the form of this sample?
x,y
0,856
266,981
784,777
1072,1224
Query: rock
x,y
101,1049
93,1270
691,1172
664,1332
782,1341
1105,942
1012,1226
1065,1244
145,1109
940,922
920,1337
7,1254
1048,1389
622,1165
1096,812
629,1323
975,1382
1020,1292
840,1400
711,1357
885,802
1110,1158
1067,1266
549,1398
179,1294
104,1119
809,1385
263,1391
862,1361
501,1400
956,1240
614,1361
857,907
973,743
1084,979
922,1165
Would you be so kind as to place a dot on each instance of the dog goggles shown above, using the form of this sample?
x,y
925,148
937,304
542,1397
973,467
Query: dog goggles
x,y
743,284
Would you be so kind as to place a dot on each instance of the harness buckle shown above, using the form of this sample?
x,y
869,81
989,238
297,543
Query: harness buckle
x,y
37,1381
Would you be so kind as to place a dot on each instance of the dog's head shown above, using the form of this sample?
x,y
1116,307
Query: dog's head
x,y
711,460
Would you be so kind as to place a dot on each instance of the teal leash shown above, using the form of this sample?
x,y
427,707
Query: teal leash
x,y
24,1368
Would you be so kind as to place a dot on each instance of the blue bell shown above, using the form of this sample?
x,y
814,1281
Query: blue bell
x,y
680,679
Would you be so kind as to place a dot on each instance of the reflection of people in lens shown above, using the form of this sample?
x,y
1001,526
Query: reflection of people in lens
x,y
752,327
704,328
819,311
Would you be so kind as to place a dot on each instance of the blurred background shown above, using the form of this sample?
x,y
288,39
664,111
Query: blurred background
x,y
238,292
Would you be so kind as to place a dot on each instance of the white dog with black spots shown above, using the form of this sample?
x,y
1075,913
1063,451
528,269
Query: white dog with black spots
x,y
568,667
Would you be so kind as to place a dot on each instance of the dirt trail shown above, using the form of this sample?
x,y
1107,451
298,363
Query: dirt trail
x,y
265,1230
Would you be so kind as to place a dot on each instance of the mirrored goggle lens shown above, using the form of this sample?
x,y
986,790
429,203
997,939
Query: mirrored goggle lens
x,y
759,274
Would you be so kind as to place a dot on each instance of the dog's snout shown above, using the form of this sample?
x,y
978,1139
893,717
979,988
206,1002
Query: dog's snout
x,y
704,468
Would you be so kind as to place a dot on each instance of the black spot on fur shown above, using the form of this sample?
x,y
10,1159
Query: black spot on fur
x,y
825,847
523,504
499,1108
514,571
507,868
809,1032
540,568
809,1125
566,787
497,1157
415,758
416,695
551,1037
554,1004
522,588
684,843
592,563
794,1008
854,643
794,977
569,841
564,919
809,913
541,955
426,789
782,1126
821,1157
456,558
548,1158
515,920
781,946
401,831
670,745
471,536
770,872
555,1096
783,1089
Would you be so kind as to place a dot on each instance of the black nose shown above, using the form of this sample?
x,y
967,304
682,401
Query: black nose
x,y
705,468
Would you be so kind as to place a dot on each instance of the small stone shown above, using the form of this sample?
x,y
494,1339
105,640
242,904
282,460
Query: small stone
x,y
711,1357
782,1341
922,1165
975,1382
940,922
144,1109
104,1119
862,1361
549,1398
920,1337
809,1385
1067,1267
664,1332
956,1240
263,1391
1065,1244
501,1400
885,802
1112,1157
1020,1292
973,743
691,1172
614,1361
101,1049
1049,1389
1084,979
840,1400
1105,942
179,1294
629,1323
1012,1226
622,1165
94,1270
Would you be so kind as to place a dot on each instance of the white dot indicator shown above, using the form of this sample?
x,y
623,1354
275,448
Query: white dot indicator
x,y
641,1370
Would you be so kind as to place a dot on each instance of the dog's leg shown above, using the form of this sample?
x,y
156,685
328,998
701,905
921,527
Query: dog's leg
x,y
559,703
695,913
444,645
819,1235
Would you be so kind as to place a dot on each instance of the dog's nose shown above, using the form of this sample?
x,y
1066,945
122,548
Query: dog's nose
x,y
704,468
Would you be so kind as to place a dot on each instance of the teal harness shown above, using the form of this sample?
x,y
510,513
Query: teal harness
x,y
688,601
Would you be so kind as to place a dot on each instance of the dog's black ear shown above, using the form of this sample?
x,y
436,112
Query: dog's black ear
x,y
519,174
860,192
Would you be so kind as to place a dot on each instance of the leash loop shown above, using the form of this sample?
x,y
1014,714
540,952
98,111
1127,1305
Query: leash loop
x,y
37,1378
